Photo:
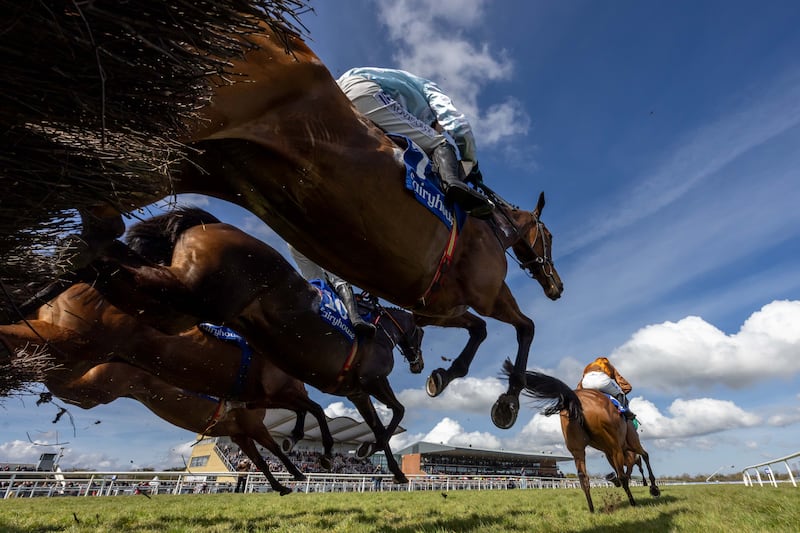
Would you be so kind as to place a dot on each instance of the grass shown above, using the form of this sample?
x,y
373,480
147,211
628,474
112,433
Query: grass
x,y
704,508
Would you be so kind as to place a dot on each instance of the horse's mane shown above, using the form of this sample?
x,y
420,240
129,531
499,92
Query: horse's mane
x,y
155,238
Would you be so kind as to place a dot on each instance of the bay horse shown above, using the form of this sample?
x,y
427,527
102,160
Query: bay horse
x,y
198,413
281,140
86,336
216,272
589,418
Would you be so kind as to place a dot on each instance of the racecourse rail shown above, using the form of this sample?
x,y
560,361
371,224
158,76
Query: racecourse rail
x,y
26,484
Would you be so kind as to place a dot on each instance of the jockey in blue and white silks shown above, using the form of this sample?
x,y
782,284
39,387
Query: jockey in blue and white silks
x,y
401,103
310,270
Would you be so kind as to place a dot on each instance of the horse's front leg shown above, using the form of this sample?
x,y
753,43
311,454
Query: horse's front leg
x,y
381,390
476,327
247,445
506,408
364,406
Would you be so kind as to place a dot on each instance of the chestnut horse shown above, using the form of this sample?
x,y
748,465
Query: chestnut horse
x,y
82,331
589,418
201,414
219,273
284,142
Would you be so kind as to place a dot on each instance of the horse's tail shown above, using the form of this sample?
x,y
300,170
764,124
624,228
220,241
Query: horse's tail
x,y
155,238
552,394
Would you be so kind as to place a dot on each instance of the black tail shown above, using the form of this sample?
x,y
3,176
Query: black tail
x,y
155,238
553,395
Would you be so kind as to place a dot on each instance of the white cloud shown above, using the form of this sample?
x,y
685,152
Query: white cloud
x,y
340,409
691,418
433,44
450,432
337,409
693,354
18,451
474,395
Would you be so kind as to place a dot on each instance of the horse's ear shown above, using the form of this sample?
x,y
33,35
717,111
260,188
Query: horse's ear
x,y
540,203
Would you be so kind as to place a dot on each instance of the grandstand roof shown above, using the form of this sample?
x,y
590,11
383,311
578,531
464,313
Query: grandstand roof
x,y
471,451
281,422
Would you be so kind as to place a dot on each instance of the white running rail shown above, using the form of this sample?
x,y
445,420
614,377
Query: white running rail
x,y
748,481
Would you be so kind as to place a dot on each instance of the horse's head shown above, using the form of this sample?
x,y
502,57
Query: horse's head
x,y
401,328
533,248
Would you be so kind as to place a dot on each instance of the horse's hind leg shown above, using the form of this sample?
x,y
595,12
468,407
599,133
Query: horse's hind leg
x,y
326,460
476,327
617,461
249,448
298,432
580,465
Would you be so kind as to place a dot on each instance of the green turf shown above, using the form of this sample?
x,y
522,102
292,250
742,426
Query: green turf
x,y
704,508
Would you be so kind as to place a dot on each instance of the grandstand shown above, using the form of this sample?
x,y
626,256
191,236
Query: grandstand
x,y
219,454
422,458
441,459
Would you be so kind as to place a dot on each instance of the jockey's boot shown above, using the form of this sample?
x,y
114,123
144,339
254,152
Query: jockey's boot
x,y
455,190
345,292
623,401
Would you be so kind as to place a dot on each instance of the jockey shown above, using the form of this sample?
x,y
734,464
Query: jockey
x,y
402,103
344,290
601,375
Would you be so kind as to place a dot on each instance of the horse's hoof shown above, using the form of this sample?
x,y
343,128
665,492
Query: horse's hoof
x,y
655,492
400,479
287,445
365,450
326,462
283,491
505,410
435,384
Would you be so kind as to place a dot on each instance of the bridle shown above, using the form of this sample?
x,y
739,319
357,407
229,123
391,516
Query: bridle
x,y
403,334
544,262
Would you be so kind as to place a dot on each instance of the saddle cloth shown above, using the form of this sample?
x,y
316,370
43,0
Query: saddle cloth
x,y
333,311
421,180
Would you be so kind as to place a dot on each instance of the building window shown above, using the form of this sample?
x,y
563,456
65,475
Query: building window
x,y
200,460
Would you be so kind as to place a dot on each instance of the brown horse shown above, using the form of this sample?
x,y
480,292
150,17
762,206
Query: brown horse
x,y
588,418
283,141
219,273
201,414
82,331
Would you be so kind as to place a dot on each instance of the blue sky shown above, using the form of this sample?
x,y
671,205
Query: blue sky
x,y
666,136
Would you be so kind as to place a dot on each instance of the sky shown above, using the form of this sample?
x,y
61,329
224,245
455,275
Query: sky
x,y
666,137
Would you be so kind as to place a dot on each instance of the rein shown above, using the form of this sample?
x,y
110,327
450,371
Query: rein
x,y
403,333
538,260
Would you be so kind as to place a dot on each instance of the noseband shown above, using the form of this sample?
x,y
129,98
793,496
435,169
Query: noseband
x,y
542,261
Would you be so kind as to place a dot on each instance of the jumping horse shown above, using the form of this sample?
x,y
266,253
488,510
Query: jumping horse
x,y
589,418
219,273
96,346
281,140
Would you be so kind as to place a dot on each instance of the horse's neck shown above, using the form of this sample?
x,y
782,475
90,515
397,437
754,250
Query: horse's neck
x,y
506,223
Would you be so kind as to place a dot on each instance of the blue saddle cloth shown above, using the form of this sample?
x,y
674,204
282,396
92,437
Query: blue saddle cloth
x,y
421,180
617,404
333,311
226,334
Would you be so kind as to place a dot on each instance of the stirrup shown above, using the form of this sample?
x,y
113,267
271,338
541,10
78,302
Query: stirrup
x,y
472,201
364,328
